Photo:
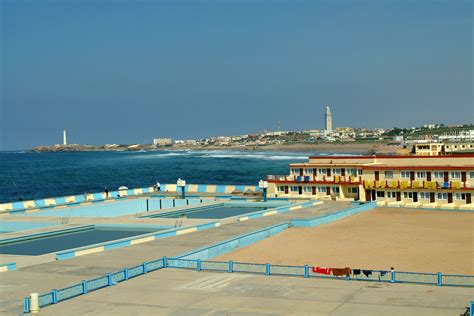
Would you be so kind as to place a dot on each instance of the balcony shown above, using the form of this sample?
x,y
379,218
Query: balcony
x,y
415,184
314,180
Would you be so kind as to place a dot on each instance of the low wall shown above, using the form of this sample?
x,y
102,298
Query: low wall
x,y
34,205
324,219
277,210
71,253
230,244
4,267
19,226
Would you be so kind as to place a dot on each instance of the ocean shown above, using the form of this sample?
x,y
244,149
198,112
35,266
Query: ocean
x,y
29,175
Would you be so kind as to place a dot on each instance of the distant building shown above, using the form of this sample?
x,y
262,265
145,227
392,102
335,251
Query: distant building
x,y
328,117
437,149
162,141
64,138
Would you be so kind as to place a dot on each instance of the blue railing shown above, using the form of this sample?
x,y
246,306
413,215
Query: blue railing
x,y
86,286
56,296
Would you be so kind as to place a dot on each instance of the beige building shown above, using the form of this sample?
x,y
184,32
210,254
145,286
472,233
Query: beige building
x,y
413,181
437,149
162,141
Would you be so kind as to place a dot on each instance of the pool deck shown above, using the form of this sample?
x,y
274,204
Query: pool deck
x,y
181,292
35,273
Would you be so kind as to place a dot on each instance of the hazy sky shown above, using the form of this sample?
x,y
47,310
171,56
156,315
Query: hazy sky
x,y
127,71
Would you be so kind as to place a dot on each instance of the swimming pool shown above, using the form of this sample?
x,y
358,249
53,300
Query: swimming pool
x,y
40,244
114,208
216,211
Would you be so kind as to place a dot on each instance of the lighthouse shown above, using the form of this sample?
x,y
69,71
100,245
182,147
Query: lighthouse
x,y
64,138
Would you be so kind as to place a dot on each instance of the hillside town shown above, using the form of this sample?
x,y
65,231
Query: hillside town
x,y
431,139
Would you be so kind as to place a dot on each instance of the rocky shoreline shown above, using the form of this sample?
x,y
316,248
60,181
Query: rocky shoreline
x,y
363,148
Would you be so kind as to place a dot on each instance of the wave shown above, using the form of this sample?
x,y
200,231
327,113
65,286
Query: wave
x,y
235,154
256,156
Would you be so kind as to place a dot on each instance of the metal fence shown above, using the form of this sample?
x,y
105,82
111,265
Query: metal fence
x,y
56,296
86,286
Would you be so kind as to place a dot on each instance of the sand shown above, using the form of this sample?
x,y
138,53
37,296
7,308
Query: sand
x,y
418,241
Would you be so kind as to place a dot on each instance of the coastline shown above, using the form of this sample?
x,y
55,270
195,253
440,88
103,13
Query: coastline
x,y
365,147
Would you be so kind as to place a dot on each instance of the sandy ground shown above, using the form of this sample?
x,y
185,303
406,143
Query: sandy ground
x,y
418,241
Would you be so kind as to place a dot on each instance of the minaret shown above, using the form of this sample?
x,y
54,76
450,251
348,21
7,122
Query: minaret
x,y
64,138
328,117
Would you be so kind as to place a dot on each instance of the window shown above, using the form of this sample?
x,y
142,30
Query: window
x,y
421,174
391,195
335,190
439,174
353,190
322,171
407,195
336,171
359,171
388,174
352,172
281,188
294,188
442,196
321,189
425,195
471,174
405,174
307,189
308,171
460,196
380,194
455,174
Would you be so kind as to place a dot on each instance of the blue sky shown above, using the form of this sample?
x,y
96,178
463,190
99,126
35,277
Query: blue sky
x,y
127,71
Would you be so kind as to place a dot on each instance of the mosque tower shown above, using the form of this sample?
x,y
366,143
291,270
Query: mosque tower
x,y
328,117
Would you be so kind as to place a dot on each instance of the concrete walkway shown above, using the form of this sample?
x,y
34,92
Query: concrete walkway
x,y
184,292
43,277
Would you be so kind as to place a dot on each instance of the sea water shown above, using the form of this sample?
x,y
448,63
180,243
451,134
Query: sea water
x,y
29,175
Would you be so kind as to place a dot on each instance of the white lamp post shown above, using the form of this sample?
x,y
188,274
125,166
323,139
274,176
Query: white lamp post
x,y
181,184
263,185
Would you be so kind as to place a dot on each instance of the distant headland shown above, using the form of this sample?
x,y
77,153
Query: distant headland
x,y
353,147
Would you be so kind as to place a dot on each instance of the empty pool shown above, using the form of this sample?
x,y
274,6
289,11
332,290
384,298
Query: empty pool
x,y
212,211
42,244
113,208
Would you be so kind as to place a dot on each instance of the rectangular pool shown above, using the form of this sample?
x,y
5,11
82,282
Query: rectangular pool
x,y
211,212
114,208
68,240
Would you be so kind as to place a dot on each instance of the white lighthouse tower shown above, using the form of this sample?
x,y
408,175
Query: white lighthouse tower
x,y
328,117
64,138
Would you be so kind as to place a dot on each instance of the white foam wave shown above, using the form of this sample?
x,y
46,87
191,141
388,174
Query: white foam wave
x,y
256,156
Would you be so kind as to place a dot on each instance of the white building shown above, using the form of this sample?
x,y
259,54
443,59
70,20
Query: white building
x,y
162,141
328,117
64,138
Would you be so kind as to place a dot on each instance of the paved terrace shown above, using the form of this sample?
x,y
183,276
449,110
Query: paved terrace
x,y
42,277
181,292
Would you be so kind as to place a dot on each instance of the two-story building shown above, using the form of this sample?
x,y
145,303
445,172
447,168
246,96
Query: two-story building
x,y
413,181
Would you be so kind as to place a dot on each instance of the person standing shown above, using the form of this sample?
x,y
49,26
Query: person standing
x,y
106,192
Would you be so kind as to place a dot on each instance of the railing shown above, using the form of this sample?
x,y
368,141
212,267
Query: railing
x,y
315,179
415,184
86,286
